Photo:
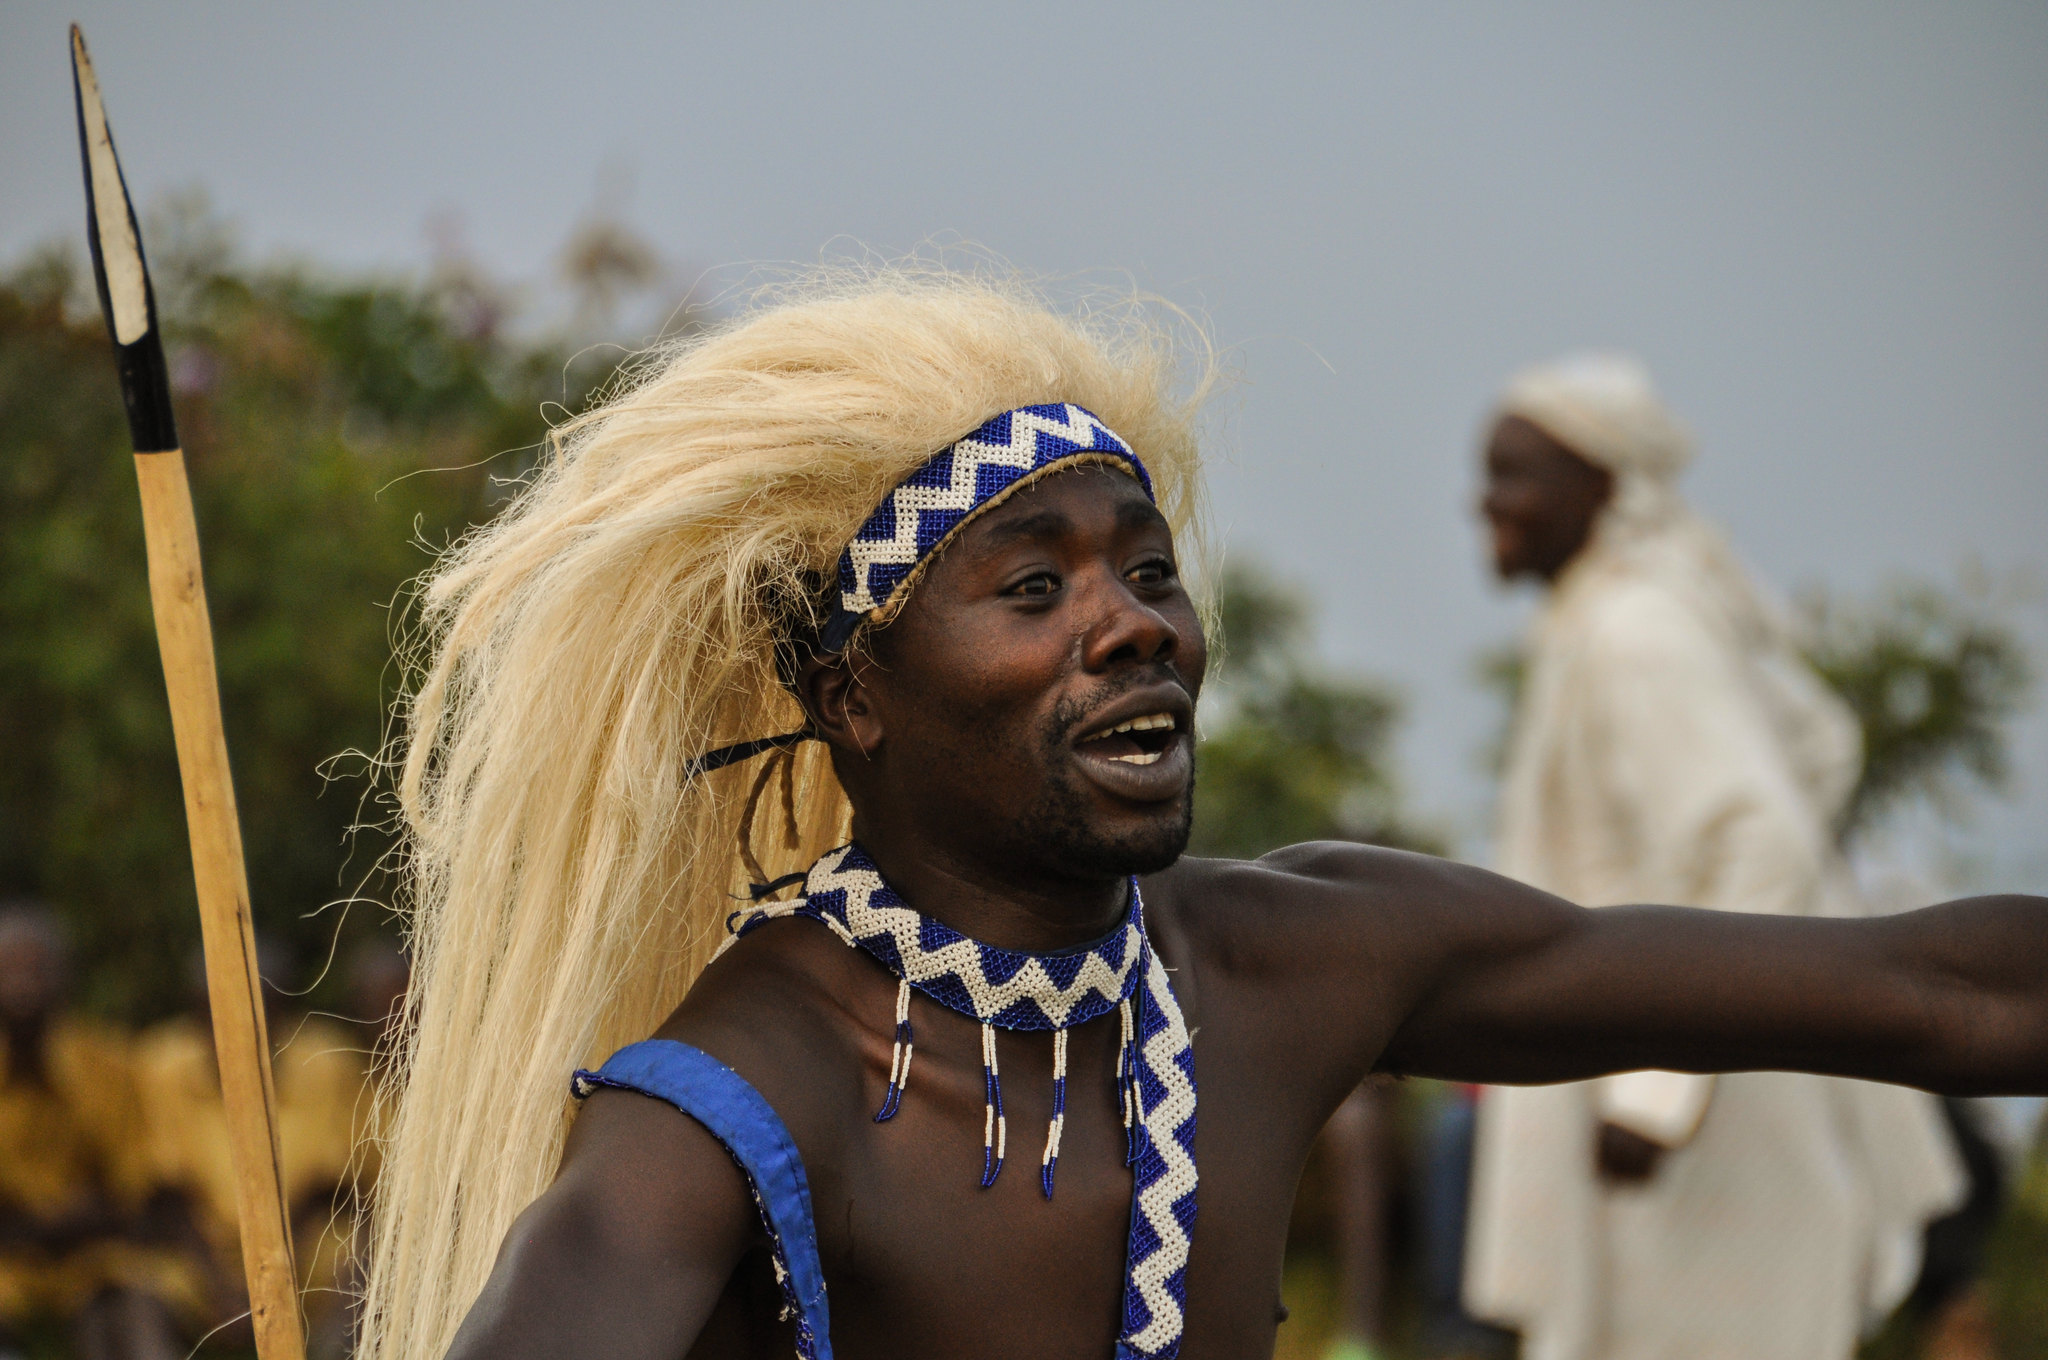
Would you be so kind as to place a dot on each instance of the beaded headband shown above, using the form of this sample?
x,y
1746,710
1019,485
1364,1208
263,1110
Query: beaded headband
x,y
931,505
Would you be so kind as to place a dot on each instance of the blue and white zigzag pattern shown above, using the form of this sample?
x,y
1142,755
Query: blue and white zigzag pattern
x,y
1001,987
1163,1197
928,505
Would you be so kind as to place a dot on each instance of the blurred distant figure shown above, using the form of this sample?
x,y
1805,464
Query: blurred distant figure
x,y
1672,745
67,1185
1443,1193
1358,1146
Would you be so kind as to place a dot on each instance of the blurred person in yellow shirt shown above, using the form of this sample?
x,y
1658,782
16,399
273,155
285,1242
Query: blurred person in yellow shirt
x,y
72,1252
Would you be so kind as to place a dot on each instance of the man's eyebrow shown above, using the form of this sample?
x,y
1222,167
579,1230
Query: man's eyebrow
x,y
1138,515
1052,523
1046,523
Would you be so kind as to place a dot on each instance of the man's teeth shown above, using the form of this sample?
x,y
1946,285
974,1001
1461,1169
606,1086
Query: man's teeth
x,y
1150,722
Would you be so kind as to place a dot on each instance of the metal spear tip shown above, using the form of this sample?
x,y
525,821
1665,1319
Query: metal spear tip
x,y
118,267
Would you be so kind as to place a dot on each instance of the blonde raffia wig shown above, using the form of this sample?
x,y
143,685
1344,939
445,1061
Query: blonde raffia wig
x,y
566,881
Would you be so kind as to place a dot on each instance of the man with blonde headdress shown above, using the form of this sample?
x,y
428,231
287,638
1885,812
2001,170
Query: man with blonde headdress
x,y
1671,745
883,583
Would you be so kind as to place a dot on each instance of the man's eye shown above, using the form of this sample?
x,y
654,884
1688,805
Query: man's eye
x,y
1155,573
1038,583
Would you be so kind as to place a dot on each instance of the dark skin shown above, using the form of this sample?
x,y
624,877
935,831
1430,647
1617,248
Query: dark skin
x,y
1540,504
1540,501
963,736
31,990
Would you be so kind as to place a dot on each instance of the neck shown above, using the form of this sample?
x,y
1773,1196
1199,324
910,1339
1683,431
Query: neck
x,y
1034,914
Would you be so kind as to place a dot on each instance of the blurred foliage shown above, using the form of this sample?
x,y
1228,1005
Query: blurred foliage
x,y
1934,680
1295,756
1499,670
335,431
2017,1282
2010,1302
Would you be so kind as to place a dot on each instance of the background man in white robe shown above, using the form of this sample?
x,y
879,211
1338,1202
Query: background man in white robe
x,y
1672,746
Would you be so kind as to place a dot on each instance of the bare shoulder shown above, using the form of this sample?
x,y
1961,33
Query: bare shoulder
x,y
1319,956
762,1008
793,1011
637,1175
1288,908
769,1009
630,1247
781,977
1302,966
1218,893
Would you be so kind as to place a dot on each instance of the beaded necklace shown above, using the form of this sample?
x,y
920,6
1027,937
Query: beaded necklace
x,y
1009,989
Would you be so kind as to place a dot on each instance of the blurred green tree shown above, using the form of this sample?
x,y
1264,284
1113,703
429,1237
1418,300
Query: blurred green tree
x,y
336,431
1931,672
1934,679
1295,755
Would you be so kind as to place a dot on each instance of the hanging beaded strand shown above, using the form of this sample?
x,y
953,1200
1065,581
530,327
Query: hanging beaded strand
x,y
1053,1127
899,1056
1127,1078
995,1130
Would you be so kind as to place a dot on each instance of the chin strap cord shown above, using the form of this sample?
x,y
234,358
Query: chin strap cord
x,y
790,837
698,766
784,761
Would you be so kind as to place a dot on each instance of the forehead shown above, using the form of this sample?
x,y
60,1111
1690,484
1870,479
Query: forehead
x,y
1524,446
1086,499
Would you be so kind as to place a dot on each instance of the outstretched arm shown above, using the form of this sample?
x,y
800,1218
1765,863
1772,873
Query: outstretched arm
x,y
628,1251
1444,970
1953,998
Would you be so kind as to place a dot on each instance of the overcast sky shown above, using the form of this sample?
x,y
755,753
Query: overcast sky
x,y
1824,226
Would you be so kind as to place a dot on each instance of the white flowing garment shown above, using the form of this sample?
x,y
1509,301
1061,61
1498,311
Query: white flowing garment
x,y
1671,746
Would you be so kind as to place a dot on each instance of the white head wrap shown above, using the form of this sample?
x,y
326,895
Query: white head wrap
x,y
1604,408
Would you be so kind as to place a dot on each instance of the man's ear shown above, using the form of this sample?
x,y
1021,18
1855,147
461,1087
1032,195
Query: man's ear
x,y
834,692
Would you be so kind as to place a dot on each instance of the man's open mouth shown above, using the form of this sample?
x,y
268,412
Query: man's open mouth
x,y
1135,741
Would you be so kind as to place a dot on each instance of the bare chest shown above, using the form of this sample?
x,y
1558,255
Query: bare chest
x,y
920,1258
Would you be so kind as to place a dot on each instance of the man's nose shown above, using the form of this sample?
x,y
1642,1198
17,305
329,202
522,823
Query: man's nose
x,y
1486,501
1126,629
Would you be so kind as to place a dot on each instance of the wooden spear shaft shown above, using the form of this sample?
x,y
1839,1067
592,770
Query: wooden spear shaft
x,y
184,633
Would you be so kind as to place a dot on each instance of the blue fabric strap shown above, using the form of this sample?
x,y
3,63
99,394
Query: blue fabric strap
x,y
740,1118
